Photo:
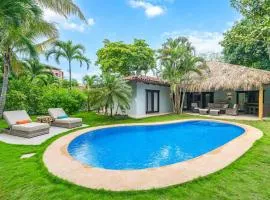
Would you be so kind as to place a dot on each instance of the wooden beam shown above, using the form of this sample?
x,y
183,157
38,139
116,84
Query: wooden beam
x,y
261,102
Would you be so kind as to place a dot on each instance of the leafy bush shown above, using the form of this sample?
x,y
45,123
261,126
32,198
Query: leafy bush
x,y
36,99
71,101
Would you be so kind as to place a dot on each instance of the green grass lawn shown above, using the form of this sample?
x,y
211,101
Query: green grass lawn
x,y
247,178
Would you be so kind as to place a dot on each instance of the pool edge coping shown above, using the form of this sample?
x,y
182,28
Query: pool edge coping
x,y
61,164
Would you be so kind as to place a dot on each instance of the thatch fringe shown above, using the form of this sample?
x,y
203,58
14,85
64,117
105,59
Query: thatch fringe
x,y
223,76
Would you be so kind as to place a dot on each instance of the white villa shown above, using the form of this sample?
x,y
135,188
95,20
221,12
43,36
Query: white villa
x,y
221,84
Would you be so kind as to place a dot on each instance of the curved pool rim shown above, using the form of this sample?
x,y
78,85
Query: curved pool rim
x,y
114,162
61,164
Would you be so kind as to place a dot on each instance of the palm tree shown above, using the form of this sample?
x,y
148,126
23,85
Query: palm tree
x,y
191,65
70,52
35,69
178,60
90,83
18,33
114,93
62,7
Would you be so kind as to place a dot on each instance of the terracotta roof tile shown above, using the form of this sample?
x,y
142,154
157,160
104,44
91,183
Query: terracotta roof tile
x,y
147,80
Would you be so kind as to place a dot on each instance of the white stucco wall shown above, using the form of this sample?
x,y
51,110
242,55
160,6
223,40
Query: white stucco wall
x,y
138,102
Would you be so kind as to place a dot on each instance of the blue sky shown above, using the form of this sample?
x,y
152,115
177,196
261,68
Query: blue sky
x,y
202,21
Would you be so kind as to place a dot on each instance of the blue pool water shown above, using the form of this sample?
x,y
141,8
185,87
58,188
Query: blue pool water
x,y
140,147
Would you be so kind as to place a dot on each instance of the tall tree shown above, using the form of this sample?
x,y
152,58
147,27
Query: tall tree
x,y
90,83
255,25
178,62
62,7
18,33
70,52
126,59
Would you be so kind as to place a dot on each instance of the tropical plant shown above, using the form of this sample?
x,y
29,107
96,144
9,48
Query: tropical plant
x,y
113,93
66,83
178,61
62,7
255,25
90,83
126,59
18,37
35,70
70,52
37,98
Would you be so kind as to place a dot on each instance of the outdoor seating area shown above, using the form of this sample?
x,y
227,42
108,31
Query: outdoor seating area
x,y
216,109
20,124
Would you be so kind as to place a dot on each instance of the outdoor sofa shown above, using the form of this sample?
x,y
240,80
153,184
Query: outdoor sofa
x,y
20,124
61,119
218,106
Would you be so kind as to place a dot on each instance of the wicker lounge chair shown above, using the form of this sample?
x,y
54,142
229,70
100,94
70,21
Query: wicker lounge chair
x,y
232,111
20,124
61,119
194,107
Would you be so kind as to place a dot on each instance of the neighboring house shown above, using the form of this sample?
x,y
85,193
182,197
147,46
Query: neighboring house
x,y
150,95
220,83
57,72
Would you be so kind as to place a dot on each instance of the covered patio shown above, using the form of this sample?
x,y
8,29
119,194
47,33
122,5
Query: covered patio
x,y
227,84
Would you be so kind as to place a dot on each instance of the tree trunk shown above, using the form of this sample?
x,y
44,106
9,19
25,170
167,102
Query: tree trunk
x,y
111,111
6,59
69,69
177,100
268,50
182,102
88,101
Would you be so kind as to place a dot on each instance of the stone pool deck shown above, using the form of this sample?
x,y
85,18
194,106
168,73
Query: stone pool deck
x,y
61,164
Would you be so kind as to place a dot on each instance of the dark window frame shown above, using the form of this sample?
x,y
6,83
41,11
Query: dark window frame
x,y
152,110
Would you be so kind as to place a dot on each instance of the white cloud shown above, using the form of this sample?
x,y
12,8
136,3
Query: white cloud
x,y
64,23
91,21
150,9
203,41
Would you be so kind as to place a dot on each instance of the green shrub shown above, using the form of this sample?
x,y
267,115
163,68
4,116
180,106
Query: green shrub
x,y
36,99
70,100
17,100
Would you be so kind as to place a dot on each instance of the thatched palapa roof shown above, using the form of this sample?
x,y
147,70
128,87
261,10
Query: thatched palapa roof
x,y
223,76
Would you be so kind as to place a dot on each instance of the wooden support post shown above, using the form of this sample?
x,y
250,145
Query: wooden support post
x,y
261,102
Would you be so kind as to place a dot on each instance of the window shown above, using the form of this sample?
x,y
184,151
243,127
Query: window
x,y
152,101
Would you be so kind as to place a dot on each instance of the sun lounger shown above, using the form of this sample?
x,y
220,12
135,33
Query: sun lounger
x,y
20,124
61,119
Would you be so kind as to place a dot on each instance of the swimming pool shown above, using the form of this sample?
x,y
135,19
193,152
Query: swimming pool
x,y
150,146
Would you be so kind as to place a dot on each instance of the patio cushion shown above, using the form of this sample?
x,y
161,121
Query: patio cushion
x,y
56,112
30,127
12,117
25,121
68,120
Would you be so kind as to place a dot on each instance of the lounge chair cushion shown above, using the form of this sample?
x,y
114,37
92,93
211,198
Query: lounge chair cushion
x,y
30,127
68,120
12,117
56,112
25,121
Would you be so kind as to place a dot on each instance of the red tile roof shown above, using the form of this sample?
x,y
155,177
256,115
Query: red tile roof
x,y
147,80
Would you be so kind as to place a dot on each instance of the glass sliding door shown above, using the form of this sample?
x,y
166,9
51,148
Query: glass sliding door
x,y
152,101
